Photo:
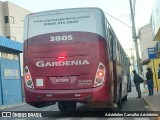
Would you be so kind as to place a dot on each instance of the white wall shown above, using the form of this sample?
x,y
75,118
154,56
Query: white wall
x,y
19,14
2,24
145,39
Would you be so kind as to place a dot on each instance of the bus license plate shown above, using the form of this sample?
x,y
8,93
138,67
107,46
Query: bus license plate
x,y
62,80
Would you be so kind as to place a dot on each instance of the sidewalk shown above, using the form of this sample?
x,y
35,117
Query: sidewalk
x,y
153,101
9,106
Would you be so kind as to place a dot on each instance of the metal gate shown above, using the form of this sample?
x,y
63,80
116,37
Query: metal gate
x,y
11,89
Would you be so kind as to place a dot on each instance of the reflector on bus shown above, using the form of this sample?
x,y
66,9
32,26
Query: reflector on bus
x,y
39,83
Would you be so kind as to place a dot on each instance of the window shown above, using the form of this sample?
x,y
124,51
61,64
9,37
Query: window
x,y
157,49
10,56
6,19
15,57
8,37
110,47
114,43
4,55
118,52
12,19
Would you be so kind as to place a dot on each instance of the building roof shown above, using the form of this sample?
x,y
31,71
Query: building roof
x,y
10,46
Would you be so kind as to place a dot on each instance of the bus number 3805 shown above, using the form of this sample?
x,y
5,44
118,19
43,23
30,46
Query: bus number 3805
x,y
61,38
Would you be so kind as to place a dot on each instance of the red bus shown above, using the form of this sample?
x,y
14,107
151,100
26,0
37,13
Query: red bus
x,y
73,56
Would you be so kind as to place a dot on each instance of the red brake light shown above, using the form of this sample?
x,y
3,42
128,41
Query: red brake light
x,y
28,76
100,73
61,57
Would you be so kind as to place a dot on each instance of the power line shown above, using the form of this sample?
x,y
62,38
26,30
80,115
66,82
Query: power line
x,y
118,20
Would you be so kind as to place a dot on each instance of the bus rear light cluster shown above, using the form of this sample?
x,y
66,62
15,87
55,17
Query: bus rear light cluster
x,y
100,75
28,78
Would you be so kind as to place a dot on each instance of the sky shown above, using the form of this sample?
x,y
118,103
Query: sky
x,y
120,9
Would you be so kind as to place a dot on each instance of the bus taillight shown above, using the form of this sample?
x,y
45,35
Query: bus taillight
x,y
100,75
61,57
28,78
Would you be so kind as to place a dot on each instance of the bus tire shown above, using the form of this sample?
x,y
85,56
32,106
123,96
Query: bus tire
x,y
65,106
120,99
125,98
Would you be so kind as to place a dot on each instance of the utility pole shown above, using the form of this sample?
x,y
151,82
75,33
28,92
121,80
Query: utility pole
x,y
134,36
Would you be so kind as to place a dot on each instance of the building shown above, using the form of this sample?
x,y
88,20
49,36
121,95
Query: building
x,y
11,21
145,40
155,24
155,21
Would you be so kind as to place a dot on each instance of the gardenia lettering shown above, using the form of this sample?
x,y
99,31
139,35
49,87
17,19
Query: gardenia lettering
x,y
61,63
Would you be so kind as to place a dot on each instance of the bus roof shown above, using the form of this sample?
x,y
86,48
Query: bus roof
x,y
65,10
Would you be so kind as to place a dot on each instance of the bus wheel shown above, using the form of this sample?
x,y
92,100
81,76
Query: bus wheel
x,y
65,106
120,99
125,98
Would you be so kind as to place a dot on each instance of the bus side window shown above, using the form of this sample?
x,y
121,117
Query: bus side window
x,y
113,44
114,49
110,48
109,39
118,52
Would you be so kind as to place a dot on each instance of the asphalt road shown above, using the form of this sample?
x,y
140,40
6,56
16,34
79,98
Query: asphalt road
x,y
132,104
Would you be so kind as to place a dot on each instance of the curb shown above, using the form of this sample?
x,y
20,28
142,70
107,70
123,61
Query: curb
x,y
10,106
151,107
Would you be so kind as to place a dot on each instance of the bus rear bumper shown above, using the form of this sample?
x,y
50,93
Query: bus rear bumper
x,y
58,95
88,95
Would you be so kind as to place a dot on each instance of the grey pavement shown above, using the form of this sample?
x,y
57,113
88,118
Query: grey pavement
x,y
9,106
153,101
